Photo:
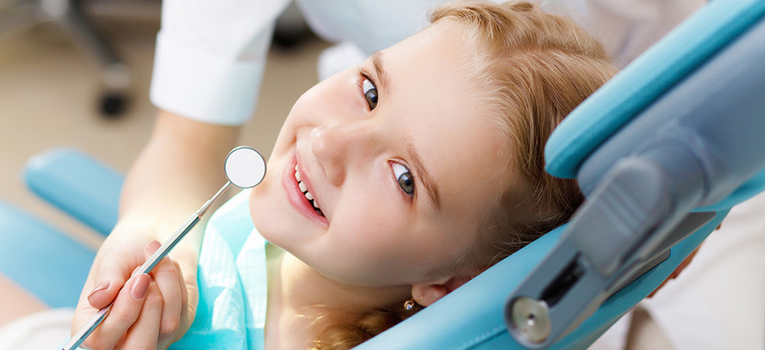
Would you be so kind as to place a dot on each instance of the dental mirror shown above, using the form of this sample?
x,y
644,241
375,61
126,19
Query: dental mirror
x,y
245,168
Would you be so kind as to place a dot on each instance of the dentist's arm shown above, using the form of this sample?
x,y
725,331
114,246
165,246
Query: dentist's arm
x,y
208,66
179,169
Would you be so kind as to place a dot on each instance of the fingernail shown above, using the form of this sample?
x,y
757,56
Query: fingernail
x,y
140,286
152,247
102,286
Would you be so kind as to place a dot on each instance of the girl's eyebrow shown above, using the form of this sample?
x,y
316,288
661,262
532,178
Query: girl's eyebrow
x,y
377,64
431,188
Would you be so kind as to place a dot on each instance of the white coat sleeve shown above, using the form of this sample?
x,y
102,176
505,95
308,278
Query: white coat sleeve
x,y
210,56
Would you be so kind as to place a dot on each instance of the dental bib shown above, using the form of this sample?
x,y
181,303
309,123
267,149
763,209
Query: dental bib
x,y
232,282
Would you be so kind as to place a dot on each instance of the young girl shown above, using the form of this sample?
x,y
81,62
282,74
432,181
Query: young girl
x,y
389,186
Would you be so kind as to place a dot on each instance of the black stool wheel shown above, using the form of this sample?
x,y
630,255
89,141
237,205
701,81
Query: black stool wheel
x,y
113,104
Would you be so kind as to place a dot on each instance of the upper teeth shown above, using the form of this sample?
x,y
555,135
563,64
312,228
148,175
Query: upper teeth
x,y
304,189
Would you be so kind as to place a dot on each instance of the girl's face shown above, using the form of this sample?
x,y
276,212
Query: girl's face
x,y
400,158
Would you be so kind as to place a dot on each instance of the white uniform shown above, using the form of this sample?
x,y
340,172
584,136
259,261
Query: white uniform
x,y
211,54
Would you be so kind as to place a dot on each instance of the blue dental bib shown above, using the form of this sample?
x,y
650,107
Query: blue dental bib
x,y
232,282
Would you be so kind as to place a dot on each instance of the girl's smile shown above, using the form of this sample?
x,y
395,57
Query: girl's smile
x,y
301,193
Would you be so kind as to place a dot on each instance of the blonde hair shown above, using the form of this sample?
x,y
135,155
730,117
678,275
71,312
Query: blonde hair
x,y
534,68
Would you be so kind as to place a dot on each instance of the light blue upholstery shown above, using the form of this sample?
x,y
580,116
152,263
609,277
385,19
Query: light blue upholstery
x,y
472,316
42,259
37,256
77,184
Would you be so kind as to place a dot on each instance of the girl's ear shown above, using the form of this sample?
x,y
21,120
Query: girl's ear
x,y
427,293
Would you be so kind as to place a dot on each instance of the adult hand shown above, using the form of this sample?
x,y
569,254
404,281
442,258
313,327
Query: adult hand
x,y
149,311
154,200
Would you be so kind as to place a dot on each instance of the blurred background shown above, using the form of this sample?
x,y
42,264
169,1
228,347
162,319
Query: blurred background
x,y
60,89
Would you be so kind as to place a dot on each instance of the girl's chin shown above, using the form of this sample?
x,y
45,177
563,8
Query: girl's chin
x,y
267,228
264,216
273,224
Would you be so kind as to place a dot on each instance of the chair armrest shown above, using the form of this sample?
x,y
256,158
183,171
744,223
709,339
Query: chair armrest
x,y
41,259
77,184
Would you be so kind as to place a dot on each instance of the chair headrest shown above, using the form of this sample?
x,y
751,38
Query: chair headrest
x,y
647,78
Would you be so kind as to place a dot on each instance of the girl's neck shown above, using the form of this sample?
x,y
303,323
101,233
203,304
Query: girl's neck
x,y
298,293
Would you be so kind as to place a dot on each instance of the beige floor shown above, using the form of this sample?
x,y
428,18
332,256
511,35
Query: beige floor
x,y
49,90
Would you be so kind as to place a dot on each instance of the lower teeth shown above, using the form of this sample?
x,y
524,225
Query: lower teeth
x,y
314,207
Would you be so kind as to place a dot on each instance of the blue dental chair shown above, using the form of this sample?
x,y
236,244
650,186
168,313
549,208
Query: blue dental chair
x,y
713,63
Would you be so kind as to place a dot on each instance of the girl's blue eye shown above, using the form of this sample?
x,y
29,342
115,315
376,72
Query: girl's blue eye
x,y
404,178
370,93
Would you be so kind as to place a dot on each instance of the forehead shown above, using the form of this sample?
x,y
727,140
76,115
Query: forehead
x,y
449,119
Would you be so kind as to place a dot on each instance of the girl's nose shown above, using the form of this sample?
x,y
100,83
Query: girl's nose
x,y
341,147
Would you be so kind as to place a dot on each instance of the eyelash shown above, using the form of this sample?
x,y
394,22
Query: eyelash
x,y
364,75
360,83
407,196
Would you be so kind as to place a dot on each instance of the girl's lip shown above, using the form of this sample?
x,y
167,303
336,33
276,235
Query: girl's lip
x,y
297,198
